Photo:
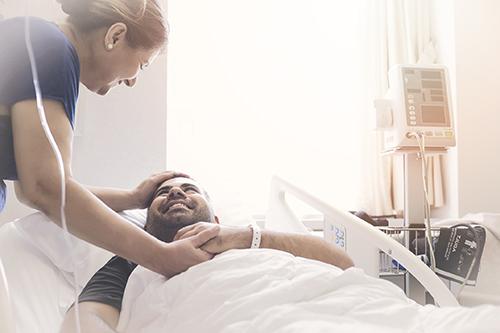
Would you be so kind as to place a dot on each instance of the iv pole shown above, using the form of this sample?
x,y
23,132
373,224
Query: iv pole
x,y
414,207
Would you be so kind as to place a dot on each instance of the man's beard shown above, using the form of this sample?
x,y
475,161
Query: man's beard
x,y
165,228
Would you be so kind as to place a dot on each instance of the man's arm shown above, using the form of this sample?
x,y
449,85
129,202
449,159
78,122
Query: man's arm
x,y
306,246
94,317
301,245
101,300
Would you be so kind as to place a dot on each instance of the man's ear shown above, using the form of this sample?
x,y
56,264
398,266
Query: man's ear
x,y
216,218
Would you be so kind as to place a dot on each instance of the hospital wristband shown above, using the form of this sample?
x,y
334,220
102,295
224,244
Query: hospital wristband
x,y
257,236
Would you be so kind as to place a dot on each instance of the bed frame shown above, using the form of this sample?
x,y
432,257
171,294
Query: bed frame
x,y
362,241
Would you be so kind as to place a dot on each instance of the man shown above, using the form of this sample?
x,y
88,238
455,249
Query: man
x,y
181,209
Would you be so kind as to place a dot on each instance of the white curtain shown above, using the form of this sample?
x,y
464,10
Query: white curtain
x,y
400,34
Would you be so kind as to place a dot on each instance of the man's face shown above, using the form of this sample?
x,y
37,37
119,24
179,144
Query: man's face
x,y
177,203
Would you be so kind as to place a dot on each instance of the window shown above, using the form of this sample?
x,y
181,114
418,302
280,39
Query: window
x,y
265,87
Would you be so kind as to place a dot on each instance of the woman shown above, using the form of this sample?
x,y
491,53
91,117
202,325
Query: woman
x,y
104,43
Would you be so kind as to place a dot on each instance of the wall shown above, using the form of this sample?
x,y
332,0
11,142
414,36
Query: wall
x,y
467,33
443,35
120,138
478,78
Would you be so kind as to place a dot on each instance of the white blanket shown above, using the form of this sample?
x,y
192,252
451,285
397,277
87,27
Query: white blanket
x,y
272,291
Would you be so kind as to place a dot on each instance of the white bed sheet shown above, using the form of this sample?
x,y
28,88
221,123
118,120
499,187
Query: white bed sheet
x,y
272,291
39,292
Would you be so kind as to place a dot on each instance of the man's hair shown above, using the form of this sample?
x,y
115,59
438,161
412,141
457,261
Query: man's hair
x,y
203,192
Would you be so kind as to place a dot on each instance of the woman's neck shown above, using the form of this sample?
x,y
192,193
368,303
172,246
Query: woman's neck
x,y
82,44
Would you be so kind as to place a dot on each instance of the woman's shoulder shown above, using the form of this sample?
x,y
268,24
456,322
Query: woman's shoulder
x,y
56,61
16,25
46,38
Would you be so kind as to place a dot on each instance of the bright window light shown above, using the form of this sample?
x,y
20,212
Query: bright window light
x,y
265,87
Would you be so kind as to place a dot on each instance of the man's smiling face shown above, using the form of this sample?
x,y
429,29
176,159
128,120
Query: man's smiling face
x,y
177,203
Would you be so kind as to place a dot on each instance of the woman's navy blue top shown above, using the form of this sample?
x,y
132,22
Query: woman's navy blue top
x,y
58,70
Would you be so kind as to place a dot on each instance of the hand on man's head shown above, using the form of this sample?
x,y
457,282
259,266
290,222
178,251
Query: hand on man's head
x,y
144,192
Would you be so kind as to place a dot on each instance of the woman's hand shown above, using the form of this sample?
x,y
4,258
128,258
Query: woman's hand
x,y
184,253
228,237
143,193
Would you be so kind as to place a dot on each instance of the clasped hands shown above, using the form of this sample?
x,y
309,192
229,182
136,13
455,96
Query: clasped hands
x,y
227,237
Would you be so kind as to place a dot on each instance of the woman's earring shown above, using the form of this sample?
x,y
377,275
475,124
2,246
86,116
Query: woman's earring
x,y
109,46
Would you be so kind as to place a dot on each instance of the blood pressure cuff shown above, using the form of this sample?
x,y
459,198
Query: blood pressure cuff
x,y
107,286
455,250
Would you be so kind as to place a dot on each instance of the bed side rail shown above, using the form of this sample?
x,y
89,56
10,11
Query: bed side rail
x,y
362,241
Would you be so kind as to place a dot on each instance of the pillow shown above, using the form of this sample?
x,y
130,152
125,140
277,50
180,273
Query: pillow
x,y
39,293
232,212
136,216
50,240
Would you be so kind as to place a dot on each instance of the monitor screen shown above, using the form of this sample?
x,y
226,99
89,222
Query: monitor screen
x,y
435,114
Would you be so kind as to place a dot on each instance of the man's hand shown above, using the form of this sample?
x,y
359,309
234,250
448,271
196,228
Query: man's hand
x,y
227,239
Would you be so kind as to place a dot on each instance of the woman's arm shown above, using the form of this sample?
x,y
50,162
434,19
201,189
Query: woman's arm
x,y
20,195
116,199
87,217
139,197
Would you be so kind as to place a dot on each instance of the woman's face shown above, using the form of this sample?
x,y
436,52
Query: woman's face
x,y
114,61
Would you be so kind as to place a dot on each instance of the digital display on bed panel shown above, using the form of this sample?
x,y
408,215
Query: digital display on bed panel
x,y
426,97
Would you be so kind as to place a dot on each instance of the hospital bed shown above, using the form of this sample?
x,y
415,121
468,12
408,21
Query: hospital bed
x,y
40,272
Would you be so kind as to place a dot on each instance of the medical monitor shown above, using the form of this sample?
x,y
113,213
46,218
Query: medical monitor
x,y
418,101
426,97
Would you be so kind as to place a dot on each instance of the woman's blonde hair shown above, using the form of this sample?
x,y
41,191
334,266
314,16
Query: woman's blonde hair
x,y
146,26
